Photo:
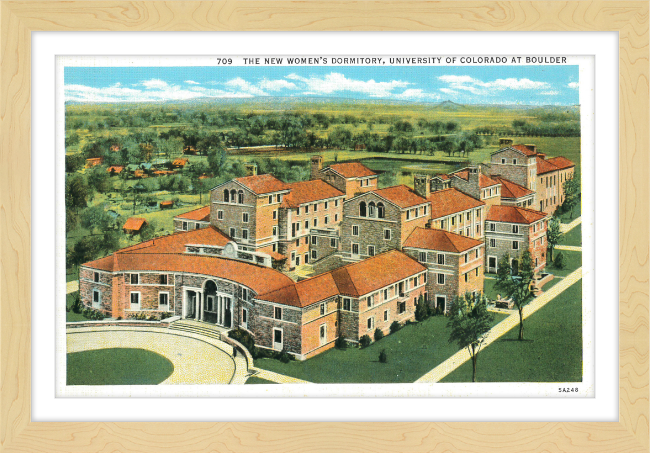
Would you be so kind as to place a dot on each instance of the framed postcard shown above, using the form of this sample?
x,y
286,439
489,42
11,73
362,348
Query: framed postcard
x,y
385,221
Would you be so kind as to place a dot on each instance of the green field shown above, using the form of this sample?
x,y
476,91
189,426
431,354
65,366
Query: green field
x,y
573,237
412,351
117,366
551,352
71,316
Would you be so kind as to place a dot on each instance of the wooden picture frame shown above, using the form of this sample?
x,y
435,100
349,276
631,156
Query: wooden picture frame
x,y
19,19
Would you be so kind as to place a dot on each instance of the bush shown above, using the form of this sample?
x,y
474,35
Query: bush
x,y
341,343
378,334
394,327
365,341
284,356
166,315
383,357
421,311
76,304
559,261
246,339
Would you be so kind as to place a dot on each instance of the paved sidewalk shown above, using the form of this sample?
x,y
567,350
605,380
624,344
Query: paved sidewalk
x,y
276,377
571,248
462,356
566,227
71,287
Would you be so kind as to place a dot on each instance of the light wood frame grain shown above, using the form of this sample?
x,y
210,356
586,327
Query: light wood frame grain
x,y
19,19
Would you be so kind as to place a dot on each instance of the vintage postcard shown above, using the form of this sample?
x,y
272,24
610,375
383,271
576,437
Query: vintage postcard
x,y
325,220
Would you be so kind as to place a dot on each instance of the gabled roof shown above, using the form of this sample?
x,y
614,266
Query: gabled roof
x,y
483,180
351,170
440,240
401,195
521,149
175,243
442,176
200,214
561,162
510,189
308,191
261,184
305,292
134,223
545,166
514,214
450,201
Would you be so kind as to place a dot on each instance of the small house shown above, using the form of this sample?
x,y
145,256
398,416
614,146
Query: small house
x,y
167,204
180,162
134,225
115,169
189,150
94,161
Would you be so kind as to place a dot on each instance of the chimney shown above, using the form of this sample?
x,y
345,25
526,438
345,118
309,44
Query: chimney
x,y
473,175
542,155
316,166
422,185
533,148
251,169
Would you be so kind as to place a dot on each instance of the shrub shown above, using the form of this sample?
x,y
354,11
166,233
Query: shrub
x,y
165,315
341,343
76,304
246,339
559,261
394,327
383,357
378,334
365,341
421,311
284,356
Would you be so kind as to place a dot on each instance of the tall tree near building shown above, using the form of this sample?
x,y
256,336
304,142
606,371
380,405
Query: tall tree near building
x,y
470,322
553,235
516,287
571,193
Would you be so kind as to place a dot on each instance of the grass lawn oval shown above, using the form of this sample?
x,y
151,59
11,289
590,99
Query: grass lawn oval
x,y
117,366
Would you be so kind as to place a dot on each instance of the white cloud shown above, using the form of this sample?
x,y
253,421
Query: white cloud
x,y
416,93
573,85
449,91
155,84
479,87
192,82
336,82
550,93
245,87
277,85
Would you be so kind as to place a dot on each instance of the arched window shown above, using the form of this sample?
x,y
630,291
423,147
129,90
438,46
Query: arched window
x,y
240,197
226,195
371,209
362,209
381,211
233,196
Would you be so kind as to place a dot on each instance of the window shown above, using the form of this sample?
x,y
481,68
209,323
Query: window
x,y
135,279
327,219
297,242
503,161
275,247
306,224
298,210
315,223
135,301
244,217
163,279
355,230
453,220
315,207
442,224
371,323
275,214
468,231
355,249
297,261
514,161
371,250
408,214
219,215
466,279
233,196
184,226
372,209
306,209
226,196
515,228
244,293
515,245
233,232
277,313
322,309
441,279
278,198
477,271
423,257
336,217
275,231
386,294
314,255
493,242
293,256
362,209
326,205
244,233
469,216
386,312
96,277
336,203
441,258
346,304
313,240
270,199
240,197
163,301
97,298
323,334
332,242
381,210
466,257
197,226
387,234
401,307
493,226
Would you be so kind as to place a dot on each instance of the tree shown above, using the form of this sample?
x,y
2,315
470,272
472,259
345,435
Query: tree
x,y
516,287
74,162
571,193
98,179
470,322
147,232
553,236
76,192
95,217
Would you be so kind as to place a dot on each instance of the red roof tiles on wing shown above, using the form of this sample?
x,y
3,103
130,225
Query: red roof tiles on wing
x,y
483,180
134,223
200,214
514,214
561,162
545,166
261,184
524,149
450,201
103,264
305,292
510,189
309,191
401,195
352,170
444,241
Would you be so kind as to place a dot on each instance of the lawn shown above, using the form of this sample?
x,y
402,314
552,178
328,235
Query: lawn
x,y
71,316
117,366
256,380
412,351
551,352
572,260
573,237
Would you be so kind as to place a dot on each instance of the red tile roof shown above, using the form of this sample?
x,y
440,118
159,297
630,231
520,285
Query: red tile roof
x,y
401,195
524,149
102,264
514,214
545,166
352,170
483,180
261,184
510,189
134,223
444,241
115,169
561,162
305,292
200,214
308,191
442,176
450,201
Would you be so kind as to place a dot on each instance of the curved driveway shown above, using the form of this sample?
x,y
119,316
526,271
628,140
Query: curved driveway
x,y
196,359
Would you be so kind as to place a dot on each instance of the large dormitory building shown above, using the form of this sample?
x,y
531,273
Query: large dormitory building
x,y
236,262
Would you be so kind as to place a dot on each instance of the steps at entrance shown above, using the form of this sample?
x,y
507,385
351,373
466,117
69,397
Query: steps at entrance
x,y
197,327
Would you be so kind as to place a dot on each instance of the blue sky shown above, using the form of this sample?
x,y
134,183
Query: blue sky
x,y
533,85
